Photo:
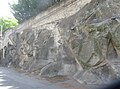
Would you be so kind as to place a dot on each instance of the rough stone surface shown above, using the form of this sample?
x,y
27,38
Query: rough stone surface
x,y
84,44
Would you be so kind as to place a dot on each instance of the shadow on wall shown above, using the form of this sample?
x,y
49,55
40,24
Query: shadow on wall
x,y
1,55
113,85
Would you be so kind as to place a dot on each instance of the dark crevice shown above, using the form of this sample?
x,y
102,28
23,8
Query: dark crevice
x,y
111,51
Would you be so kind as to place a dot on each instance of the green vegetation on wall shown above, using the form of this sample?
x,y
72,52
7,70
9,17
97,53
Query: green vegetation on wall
x,y
7,23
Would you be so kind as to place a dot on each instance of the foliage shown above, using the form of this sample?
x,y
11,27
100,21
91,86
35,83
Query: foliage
x,y
26,9
8,23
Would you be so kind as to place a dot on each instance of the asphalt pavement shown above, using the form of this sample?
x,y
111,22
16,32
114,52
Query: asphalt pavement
x,y
10,79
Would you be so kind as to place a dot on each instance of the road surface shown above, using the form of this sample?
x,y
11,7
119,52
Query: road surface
x,y
9,79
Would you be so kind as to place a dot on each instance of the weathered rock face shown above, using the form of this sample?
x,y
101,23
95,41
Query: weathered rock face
x,y
85,45
94,40
39,50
